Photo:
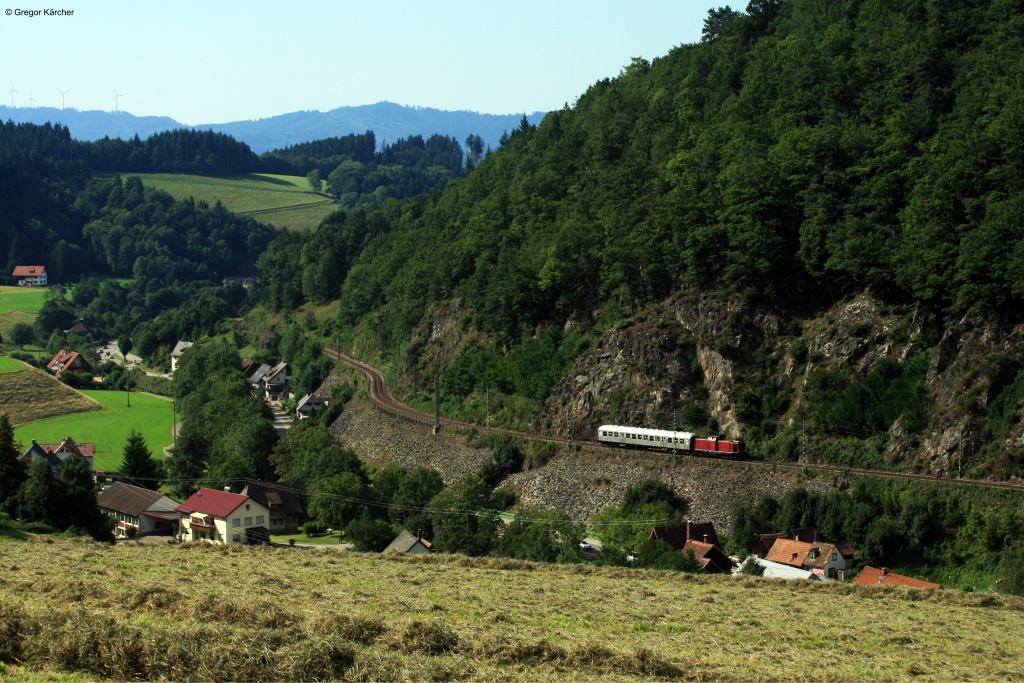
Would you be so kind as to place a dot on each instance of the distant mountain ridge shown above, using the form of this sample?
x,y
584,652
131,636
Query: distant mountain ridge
x,y
388,121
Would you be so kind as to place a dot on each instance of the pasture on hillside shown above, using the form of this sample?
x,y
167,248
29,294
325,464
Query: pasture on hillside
x,y
108,428
31,394
280,200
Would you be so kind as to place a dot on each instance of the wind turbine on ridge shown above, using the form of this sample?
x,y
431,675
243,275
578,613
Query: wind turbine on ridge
x,y
12,95
62,94
116,96
31,100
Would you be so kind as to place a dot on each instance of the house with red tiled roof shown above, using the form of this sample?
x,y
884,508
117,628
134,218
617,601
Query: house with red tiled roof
x,y
30,276
70,361
821,558
869,576
57,453
223,517
711,558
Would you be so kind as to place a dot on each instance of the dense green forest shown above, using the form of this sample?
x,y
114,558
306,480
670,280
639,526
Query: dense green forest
x,y
800,153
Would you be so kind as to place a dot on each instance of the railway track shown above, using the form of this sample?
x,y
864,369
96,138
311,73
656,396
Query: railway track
x,y
380,396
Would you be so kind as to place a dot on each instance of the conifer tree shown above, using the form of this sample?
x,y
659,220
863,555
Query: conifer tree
x,y
13,472
138,465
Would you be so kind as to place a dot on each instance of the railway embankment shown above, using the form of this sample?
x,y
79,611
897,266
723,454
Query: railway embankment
x,y
579,480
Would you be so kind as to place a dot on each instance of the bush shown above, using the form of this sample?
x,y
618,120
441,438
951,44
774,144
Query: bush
x,y
313,528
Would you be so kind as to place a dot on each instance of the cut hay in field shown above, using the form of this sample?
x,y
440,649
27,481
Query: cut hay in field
x,y
32,394
196,612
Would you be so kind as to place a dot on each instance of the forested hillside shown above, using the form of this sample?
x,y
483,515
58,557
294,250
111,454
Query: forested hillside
x,y
802,154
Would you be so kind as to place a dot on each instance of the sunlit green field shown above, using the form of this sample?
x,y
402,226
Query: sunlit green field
x,y
286,200
10,365
107,428
24,299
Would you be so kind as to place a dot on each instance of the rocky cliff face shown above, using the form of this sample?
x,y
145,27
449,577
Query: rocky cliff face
x,y
747,369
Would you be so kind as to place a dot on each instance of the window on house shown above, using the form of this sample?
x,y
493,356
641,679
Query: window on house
x,y
236,522
248,521
246,506
259,519
235,538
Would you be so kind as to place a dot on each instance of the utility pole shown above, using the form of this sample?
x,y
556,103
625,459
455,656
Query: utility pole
x,y
488,409
437,401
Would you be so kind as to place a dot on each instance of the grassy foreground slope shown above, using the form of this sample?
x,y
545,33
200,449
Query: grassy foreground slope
x,y
128,611
32,394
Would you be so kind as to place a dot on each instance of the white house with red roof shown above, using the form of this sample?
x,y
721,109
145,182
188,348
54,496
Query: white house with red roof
x,y
826,559
222,517
30,276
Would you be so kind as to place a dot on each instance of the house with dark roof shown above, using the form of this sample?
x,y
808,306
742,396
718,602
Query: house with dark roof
x,y
57,453
176,352
679,535
413,544
222,517
138,511
869,576
282,501
309,404
274,382
82,329
30,276
68,361
711,558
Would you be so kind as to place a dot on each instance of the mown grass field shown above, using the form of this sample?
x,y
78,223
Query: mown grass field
x,y
108,428
139,612
283,201
32,394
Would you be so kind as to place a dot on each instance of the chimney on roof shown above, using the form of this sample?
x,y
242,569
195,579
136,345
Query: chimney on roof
x,y
705,538
228,489
687,531
419,534
884,571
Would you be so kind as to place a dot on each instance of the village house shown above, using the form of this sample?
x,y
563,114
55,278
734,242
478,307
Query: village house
x,y
309,404
176,352
869,576
827,559
30,276
82,329
57,453
138,511
410,544
222,517
711,558
283,502
274,382
68,361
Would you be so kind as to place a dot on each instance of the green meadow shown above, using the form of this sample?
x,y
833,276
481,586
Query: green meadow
x,y
280,200
107,428
10,365
21,299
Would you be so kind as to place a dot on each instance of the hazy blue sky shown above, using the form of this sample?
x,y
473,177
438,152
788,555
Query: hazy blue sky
x,y
226,60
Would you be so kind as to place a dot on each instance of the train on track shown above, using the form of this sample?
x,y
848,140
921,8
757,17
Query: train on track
x,y
665,440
